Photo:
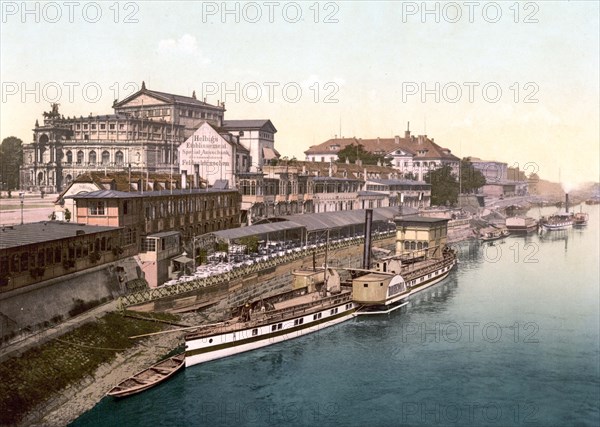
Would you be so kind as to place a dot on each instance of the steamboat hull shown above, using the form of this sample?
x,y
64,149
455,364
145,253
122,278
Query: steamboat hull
x,y
558,226
216,346
394,302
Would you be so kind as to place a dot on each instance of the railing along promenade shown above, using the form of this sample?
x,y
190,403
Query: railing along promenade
x,y
154,294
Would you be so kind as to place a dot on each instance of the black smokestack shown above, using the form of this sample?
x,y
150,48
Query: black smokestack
x,y
367,251
567,202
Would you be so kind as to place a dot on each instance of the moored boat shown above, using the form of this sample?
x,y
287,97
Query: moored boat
x,y
263,323
560,220
580,219
521,224
493,233
149,377
388,288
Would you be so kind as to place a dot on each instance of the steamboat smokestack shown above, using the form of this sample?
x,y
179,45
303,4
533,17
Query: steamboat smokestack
x,y
367,251
567,202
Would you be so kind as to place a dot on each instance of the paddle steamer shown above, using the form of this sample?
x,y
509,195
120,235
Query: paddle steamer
x,y
270,321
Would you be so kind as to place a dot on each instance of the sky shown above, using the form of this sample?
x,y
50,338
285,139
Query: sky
x,y
516,82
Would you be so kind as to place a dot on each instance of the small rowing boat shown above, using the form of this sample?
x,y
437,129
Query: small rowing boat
x,y
149,377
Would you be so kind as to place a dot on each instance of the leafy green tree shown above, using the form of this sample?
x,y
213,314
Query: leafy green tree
x,y
444,186
67,215
251,243
353,152
11,157
471,178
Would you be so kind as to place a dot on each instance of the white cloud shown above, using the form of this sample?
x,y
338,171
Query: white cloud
x,y
185,46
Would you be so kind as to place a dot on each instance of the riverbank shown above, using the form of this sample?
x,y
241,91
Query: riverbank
x,y
83,396
56,382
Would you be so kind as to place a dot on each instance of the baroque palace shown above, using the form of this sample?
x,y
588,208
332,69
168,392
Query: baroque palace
x,y
142,135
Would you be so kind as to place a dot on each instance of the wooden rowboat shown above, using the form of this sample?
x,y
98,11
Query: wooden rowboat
x,y
149,377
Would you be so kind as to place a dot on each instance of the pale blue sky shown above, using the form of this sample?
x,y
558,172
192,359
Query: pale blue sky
x,y
373,54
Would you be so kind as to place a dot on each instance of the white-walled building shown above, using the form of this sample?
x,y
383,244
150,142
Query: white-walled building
x,y
258,137
213,156
412,156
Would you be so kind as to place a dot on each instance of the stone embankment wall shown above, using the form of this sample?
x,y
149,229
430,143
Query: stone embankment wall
x,y
37,306
459,230
216,302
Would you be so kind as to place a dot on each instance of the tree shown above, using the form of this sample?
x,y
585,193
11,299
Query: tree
x,y
444,186
67,215
471,178
11,157
353,152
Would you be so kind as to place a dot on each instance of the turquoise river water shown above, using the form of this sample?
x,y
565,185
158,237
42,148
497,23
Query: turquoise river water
x,y
510,338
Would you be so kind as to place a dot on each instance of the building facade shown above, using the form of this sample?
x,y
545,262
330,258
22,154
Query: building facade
x,y
142,134
258,137
413,156
190,211
39,251
213,156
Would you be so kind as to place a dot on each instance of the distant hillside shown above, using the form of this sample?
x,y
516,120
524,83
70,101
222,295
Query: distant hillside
x,y
554,191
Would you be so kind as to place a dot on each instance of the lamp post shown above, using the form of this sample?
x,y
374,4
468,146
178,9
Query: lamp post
x,y
22,197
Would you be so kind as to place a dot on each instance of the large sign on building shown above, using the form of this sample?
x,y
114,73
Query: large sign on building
x,y
208,154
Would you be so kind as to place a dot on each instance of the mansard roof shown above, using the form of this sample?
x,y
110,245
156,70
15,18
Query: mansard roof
x,y
261,124
420,147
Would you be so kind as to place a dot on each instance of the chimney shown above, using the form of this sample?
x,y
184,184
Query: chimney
x,y
567,202
397,139
367,248
183,179
420,139
407,131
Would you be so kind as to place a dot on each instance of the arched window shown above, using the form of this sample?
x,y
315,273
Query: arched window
x,y
69,157
105,157
407,245
413,245
92,157
420,245
79,157
119,157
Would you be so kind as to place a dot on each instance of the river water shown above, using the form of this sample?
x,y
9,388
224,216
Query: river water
x,y
511,337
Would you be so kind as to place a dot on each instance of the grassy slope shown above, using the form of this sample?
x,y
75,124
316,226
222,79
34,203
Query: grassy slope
x,y
39,373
